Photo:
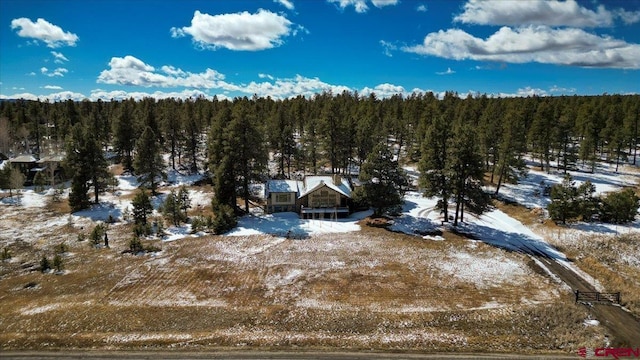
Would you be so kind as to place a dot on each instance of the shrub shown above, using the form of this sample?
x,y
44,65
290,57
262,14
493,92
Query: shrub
x,y
97,233
6,255
62,248
82,237
58,264
45,264
141,229
135,245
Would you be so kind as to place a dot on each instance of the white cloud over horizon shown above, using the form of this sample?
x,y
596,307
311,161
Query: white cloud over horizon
x,y
241,31
44,31
542,44
541,12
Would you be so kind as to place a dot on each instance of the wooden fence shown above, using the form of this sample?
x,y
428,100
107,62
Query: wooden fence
x,y
593,296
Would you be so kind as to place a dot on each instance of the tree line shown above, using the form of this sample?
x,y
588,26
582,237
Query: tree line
x,y
454,140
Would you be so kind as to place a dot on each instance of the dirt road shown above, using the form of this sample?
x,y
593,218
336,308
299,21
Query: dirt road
x,y
623,326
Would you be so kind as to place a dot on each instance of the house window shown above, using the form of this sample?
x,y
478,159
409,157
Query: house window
x,y
282,198
323,198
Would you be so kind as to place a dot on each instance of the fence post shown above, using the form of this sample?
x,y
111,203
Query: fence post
x,y
577,295
597,296
618,297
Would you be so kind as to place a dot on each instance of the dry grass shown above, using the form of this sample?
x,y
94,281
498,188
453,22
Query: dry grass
x,y
368,290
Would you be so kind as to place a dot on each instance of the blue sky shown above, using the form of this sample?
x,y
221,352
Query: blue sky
x,y
60,50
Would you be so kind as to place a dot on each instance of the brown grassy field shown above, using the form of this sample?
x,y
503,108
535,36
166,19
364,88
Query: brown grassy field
x,y
366,290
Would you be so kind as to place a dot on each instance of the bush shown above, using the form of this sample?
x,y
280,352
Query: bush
x,y
201,223
135,245
141,229
58,264
6,255
98,233
62,248
82,237
45,265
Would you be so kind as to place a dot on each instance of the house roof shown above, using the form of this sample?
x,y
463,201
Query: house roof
x,y
23,159
51,158
282,186
313,183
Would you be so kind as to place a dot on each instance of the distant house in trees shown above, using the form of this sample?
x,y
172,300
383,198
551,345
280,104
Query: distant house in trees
x,y
51,165
25,163
315,197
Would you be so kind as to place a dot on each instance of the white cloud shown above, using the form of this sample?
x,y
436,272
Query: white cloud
x,y
52,87
448,72
361,5
132,71
286,3
541,12
562,90
573,47
421,8
59,58
57,72
42,30
239,31
388,48
265,76
99,94
383,90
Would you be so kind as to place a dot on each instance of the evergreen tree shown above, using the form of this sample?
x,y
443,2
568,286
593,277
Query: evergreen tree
x,y
383,180
435,177
563,201
171,208
86,162
467,172
511,166
125,135
620,207
148,163
184,201
142,207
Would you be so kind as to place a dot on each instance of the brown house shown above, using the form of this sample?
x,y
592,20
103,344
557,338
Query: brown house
x,y
315,197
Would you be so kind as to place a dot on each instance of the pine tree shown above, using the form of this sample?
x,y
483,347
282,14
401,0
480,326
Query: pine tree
x,y
86,162
620,207
435,178
467,171
184,201
171,208
142,207
563,201
125,135
511,166
148,163
383,180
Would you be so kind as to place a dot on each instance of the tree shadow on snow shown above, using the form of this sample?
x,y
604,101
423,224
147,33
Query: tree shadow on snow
x,y
510,241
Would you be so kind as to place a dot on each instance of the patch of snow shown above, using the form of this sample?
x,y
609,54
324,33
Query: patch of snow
x,y
591,322
39,309
290,225
481,270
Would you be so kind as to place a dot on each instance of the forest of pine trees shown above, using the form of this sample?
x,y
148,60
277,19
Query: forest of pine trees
x,y
455,141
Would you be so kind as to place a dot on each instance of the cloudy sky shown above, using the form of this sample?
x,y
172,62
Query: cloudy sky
x,y
70,49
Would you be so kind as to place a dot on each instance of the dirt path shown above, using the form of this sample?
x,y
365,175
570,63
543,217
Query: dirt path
x,y
624,328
